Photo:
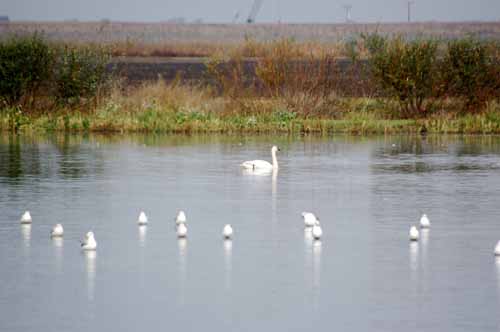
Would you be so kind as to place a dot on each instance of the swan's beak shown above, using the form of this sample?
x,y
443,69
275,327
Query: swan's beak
x,y
279,149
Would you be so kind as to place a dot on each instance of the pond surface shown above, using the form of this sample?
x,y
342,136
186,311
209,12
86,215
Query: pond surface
x,y
364,275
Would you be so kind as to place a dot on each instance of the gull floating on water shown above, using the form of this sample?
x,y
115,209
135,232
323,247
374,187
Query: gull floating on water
x,y
57,231
317,232
424,222
143,219
497,249
414,234
26,218
227,231
181,218
182,230
89,242
309,219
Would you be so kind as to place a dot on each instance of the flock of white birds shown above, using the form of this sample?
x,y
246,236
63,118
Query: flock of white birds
x,y
89,243
311,222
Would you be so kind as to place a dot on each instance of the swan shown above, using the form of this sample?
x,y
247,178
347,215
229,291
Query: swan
x,y
57,231
89,242
424,222
26,218
414,234
143,219
182,230
227,231
181,218
262,164
497,249
317,232
309,219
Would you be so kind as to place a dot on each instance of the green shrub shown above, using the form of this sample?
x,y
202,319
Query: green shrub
x,y
16,118
228,74
374,42
25,65
406,71
31,68
79,74
471,71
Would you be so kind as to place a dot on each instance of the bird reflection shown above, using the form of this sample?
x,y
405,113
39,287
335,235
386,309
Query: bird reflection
x,y
274,195
57,242
258,171
90,266
316,250
142,234
312,250
182,244
308,238
274,178
26,233
413,250
497,264
228,251
424,242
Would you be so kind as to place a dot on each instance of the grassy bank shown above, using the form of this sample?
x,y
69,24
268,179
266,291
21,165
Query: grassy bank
x,y
161,108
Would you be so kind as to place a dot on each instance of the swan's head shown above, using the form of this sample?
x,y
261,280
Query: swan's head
x,y
424,216
275,149
90,234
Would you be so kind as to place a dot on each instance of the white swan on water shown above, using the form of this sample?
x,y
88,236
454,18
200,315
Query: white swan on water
x,y
262,164
227,231
425,222
89,242
57,231
309,219
181,218
26,218
414,234
143,219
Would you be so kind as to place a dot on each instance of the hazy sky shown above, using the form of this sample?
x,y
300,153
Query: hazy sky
x,y
272,10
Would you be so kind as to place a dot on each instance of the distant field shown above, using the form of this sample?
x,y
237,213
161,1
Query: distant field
x,y
145,51
112,32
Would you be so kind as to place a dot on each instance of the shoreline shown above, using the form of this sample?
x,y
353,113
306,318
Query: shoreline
x,y
171,122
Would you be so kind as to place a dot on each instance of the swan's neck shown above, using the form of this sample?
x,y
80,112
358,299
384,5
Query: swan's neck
x,y
275,160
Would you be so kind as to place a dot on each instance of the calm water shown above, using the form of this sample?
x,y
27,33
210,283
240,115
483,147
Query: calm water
x,y
364,275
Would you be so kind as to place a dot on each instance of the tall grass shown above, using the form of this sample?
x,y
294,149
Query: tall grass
x,y
176,108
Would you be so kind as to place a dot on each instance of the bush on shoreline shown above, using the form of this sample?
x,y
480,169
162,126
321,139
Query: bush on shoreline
x,y
407,72
35,73
24,68
420,76
471,71
416,75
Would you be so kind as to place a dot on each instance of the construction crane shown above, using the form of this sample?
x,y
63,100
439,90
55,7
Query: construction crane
x,y
236,17
254,10
348,9
410,3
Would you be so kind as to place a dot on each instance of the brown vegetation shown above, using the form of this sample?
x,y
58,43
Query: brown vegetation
x,y
170,39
